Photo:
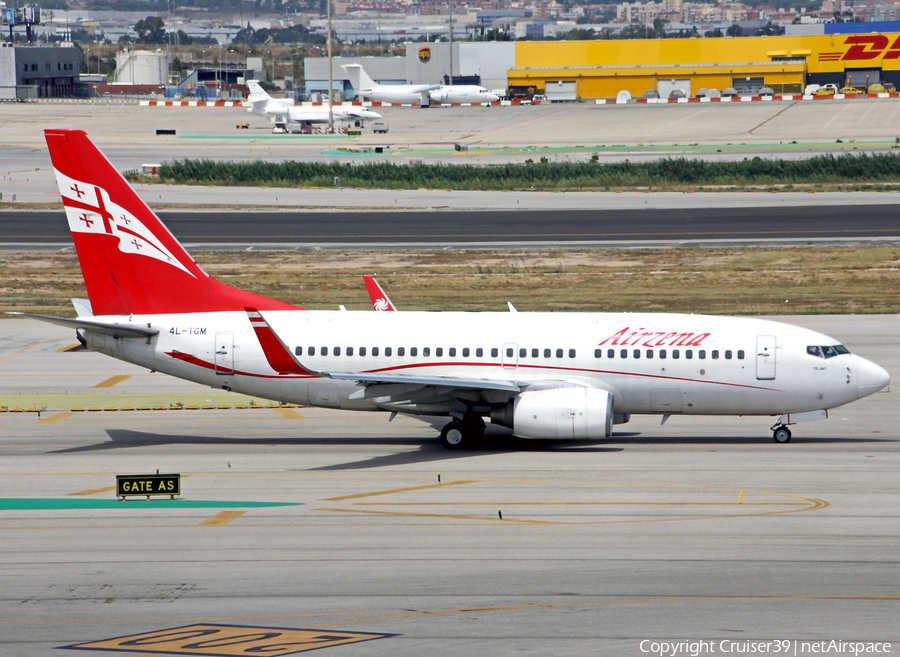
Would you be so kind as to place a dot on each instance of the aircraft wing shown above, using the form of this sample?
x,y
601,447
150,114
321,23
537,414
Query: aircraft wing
x,y
425,87
116,330
282,359
376,378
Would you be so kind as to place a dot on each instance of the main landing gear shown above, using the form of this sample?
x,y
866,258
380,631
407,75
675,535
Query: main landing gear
x,y
781,434
464,433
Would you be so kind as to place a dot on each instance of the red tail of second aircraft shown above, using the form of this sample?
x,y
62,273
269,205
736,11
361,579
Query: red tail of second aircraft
x,y
130,261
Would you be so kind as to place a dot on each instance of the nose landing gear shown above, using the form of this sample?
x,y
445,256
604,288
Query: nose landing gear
x,y
781,434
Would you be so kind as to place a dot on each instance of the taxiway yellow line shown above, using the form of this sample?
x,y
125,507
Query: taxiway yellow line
x,y
94,491
221,518
113,380
583,503
289,414
399,490
56,417
442,516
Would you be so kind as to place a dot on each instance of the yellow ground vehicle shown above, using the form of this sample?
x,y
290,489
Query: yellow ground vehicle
x,y
825,90
851,91
243,125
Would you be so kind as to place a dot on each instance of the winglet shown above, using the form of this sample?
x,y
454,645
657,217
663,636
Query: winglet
x,y
379,299
280,357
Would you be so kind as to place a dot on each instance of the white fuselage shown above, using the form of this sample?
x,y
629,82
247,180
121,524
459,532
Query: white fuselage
x,y
284,111
421,94
650,363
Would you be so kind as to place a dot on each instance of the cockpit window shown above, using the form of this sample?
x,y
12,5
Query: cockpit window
x,y
827,351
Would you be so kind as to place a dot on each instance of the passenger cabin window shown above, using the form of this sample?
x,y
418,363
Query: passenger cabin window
x,y
740,354
728,354
349,351
598,353
559,353
401,351
701,354
439,351
413,351
465,352
452,352
637,353
547,353
387,351
535,353
426,351
662,353
495,352
324,351
571,353
311,351
611,353
689,353
337,351
522,352
362,351
676,354
298,351
715,354
649,353
479,352
623,353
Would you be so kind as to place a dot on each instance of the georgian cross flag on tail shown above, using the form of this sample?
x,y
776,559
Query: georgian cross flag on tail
x,y
90,209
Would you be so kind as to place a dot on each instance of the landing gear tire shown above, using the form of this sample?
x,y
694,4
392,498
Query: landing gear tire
x,y
453,436
782,435
461,434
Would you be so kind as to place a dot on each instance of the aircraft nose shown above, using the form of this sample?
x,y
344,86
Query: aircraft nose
x,y
870,378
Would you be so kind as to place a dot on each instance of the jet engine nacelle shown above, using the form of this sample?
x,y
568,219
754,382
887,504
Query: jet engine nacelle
x,y
574,412
439,96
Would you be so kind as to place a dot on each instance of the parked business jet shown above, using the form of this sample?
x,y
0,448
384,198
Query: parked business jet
x,y
544,375
415,94
283,110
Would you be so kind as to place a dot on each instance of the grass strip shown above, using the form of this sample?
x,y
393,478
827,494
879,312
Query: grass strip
x,y
543,174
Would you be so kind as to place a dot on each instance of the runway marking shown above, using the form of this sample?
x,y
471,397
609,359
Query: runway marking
x,y
289,414
94,491
371,616
56,417
226,640
442,516
24,349
113,380
399,490
221,518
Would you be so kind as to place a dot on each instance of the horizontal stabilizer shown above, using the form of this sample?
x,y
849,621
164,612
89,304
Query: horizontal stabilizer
x,y
116,330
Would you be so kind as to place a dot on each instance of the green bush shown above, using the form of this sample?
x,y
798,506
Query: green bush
x,y
539,175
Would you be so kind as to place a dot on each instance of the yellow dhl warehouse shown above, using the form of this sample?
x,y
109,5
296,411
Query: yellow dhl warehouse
x,y
601,69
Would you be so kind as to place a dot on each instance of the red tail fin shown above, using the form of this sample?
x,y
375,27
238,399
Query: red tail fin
x,y
130,261
380,300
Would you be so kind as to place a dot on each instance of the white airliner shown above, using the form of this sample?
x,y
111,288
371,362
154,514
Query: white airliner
x,y
283,110
544,375
416,94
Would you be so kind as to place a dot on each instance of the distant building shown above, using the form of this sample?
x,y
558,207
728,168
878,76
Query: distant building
x,y
33,72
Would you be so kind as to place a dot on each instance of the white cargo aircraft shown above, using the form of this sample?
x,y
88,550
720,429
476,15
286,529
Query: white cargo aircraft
x,y
415,94
544,375
283,110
